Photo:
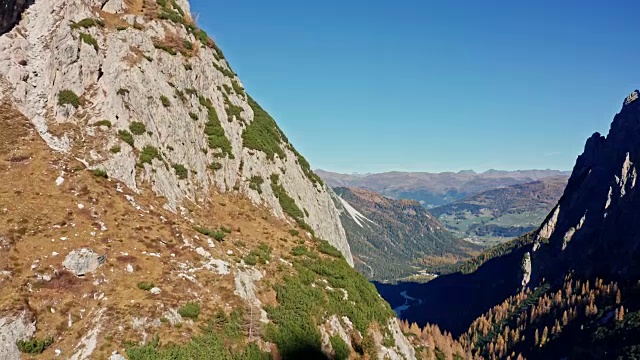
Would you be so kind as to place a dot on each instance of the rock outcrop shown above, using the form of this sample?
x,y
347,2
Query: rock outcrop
x,y
10,11
595,221
147,97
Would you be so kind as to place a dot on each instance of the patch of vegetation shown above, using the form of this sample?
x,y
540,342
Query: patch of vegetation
x,y
232,110
106,123
287,203
89,40
328,249
303,307
115,149
294,232
166,48
260,255
226,229
191,310
181,171
306,167
193,116
191,91
34,346
86,23
137,128
219,235
263,133
68,97
226,72
126,137
237,88
148,154
188,67
255,183
217,139
146,286
165,101
208,345
187,44
340,348
100,173
215,166
122,91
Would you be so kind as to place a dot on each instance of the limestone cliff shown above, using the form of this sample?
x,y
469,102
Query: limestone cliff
x,y
134,88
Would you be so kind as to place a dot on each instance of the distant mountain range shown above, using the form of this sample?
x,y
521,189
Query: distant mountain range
x,y
435,189
503,213
392,239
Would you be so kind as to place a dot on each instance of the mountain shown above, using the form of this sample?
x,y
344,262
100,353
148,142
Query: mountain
x,y
391,239
504,213
435,189
152,209
568,290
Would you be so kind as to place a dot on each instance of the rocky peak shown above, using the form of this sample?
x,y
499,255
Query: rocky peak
x,y
137,90
596,215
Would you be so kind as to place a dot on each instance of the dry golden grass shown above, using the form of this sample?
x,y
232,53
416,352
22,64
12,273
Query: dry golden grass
x,y
38,218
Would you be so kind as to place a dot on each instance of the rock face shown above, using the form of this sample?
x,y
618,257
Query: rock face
x,y
153,102
596,219
10,11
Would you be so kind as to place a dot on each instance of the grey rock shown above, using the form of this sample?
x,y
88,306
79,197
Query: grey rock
x,y
82,261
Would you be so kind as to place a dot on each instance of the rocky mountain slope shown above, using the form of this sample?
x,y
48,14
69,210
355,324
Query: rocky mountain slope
x,y
391,239
152,210
501,214
570,289
135,89
435,189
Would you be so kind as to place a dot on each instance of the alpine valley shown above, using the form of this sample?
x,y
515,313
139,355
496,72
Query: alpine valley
x,y
150,208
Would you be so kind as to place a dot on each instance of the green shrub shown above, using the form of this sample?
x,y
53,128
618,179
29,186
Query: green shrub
x,y
217,138
187,44
181,171
215,166
188,67
126,137
122,91
227,88
260,255
106,123
226,72
237,88
255,183
148,154
100,173
165,48
165,101
287,203
68,97
34,346
219,235
89,40
340,348
193,116
226,229
250,259
115,149
294,232
326,248
191,91
137,128
146,286
263,133
232,110
86,23
191,310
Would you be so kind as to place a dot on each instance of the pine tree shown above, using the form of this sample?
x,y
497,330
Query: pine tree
x,y
620,315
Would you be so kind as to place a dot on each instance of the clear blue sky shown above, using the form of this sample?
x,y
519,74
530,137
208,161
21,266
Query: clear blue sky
x,y
417,85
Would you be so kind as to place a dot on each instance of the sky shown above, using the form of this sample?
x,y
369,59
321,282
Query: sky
x,y
423,85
